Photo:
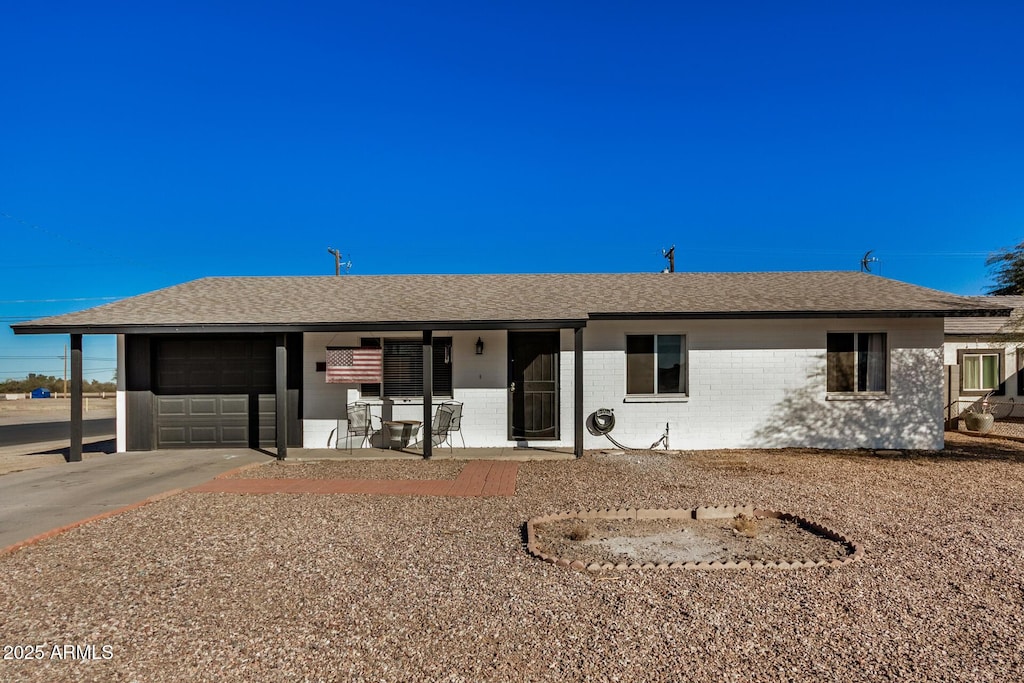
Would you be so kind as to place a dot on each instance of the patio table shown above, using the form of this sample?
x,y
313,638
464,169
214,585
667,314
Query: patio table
x,y
401,432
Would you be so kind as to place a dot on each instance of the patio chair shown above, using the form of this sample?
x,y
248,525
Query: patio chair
x,y
456,423
447,419
440,425
359,423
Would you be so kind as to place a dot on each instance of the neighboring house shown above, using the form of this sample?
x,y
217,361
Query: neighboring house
x,y
724,360
989,356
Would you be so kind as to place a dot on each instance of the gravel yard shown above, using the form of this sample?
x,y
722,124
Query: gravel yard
x,y
220,587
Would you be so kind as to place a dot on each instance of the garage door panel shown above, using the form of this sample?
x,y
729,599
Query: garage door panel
x,y
203,435
173,349
168,406
205,349
236,348
207,389
203,406
236,435
263,380
234,405
172,378
233,379
171,437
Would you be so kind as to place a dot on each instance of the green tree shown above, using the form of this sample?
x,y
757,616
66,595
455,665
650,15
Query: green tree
x,y
1008,270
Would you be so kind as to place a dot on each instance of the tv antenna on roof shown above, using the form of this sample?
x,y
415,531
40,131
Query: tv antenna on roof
x,y
338,262
865,263
670,254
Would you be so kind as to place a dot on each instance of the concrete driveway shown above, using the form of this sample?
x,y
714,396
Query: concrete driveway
x,y
39,500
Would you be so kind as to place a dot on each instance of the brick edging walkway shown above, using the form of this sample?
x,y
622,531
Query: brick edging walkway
x,y
478,478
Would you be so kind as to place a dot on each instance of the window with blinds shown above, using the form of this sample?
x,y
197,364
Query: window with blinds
x,y
403,368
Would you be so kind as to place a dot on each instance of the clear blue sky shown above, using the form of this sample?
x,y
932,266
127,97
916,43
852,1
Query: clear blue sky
x,y
149,143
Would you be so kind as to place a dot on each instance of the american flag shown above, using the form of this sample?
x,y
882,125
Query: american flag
x,y
351,365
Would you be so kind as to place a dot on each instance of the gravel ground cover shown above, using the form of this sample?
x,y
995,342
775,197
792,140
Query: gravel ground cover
x,y
218,587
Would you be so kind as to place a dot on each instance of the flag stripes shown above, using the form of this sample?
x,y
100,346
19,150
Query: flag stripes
x,y
348,365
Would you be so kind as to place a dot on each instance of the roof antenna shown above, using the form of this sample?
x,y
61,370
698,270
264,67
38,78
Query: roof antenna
x,y
338,263
865,263
670,254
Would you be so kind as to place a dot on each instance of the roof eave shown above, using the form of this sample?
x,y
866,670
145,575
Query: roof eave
x,y
985,336
274,328
721,315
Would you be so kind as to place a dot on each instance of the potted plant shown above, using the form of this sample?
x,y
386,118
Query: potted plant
x,y
980,419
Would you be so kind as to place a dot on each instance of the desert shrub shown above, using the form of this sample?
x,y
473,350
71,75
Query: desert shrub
x,y
745,525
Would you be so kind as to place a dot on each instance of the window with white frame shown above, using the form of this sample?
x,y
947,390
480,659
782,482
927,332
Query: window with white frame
x,y
655,364
857,362
403,368
980,370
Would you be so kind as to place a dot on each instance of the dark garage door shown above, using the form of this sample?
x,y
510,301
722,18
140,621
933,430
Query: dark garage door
x,y
214,393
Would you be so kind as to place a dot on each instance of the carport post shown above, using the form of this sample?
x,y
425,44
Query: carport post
x,y
75,451
281,396
428,392
577,356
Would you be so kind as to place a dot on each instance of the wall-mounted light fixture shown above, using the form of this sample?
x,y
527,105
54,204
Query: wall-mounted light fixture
x,y
479,346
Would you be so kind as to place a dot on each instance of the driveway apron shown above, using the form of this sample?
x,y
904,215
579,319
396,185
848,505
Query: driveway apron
x,y
38,500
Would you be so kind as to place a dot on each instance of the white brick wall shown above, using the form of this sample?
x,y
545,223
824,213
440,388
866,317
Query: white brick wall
x,y
762,384
751,384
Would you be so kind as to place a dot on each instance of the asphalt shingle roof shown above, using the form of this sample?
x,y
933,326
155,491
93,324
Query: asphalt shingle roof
x,y
317,302
985,327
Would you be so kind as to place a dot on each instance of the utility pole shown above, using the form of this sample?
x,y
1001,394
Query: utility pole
x,y
670,254
337,261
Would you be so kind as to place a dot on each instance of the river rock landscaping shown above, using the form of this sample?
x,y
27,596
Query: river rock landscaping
x,y
214,586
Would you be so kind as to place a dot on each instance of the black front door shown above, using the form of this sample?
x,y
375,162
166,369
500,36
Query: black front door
x,y
532,385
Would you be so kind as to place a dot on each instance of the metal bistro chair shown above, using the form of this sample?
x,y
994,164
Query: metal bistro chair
x,y
448,419
359,423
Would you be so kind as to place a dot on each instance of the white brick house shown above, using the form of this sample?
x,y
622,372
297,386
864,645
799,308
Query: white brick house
x,y
720,360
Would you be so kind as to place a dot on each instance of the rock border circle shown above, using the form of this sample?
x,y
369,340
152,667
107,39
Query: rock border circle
x,y
705,512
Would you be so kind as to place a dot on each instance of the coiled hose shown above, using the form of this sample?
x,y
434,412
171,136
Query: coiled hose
x,y
602,421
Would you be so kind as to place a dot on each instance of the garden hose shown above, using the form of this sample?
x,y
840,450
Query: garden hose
x,y
602,421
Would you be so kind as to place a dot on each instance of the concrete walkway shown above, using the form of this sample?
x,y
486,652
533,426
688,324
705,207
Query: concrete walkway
x,y
513,454
40,500
478,478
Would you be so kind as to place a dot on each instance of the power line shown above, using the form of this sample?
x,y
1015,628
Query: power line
x,y
85,247
57,301
841,252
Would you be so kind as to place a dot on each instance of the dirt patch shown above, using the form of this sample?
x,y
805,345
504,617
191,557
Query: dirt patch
x,y
28,410
657,541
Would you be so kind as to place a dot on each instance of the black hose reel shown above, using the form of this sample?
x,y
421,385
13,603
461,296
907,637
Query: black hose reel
x,y
601,422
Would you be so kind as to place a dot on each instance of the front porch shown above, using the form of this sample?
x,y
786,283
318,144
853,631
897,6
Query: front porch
x,y
302,455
